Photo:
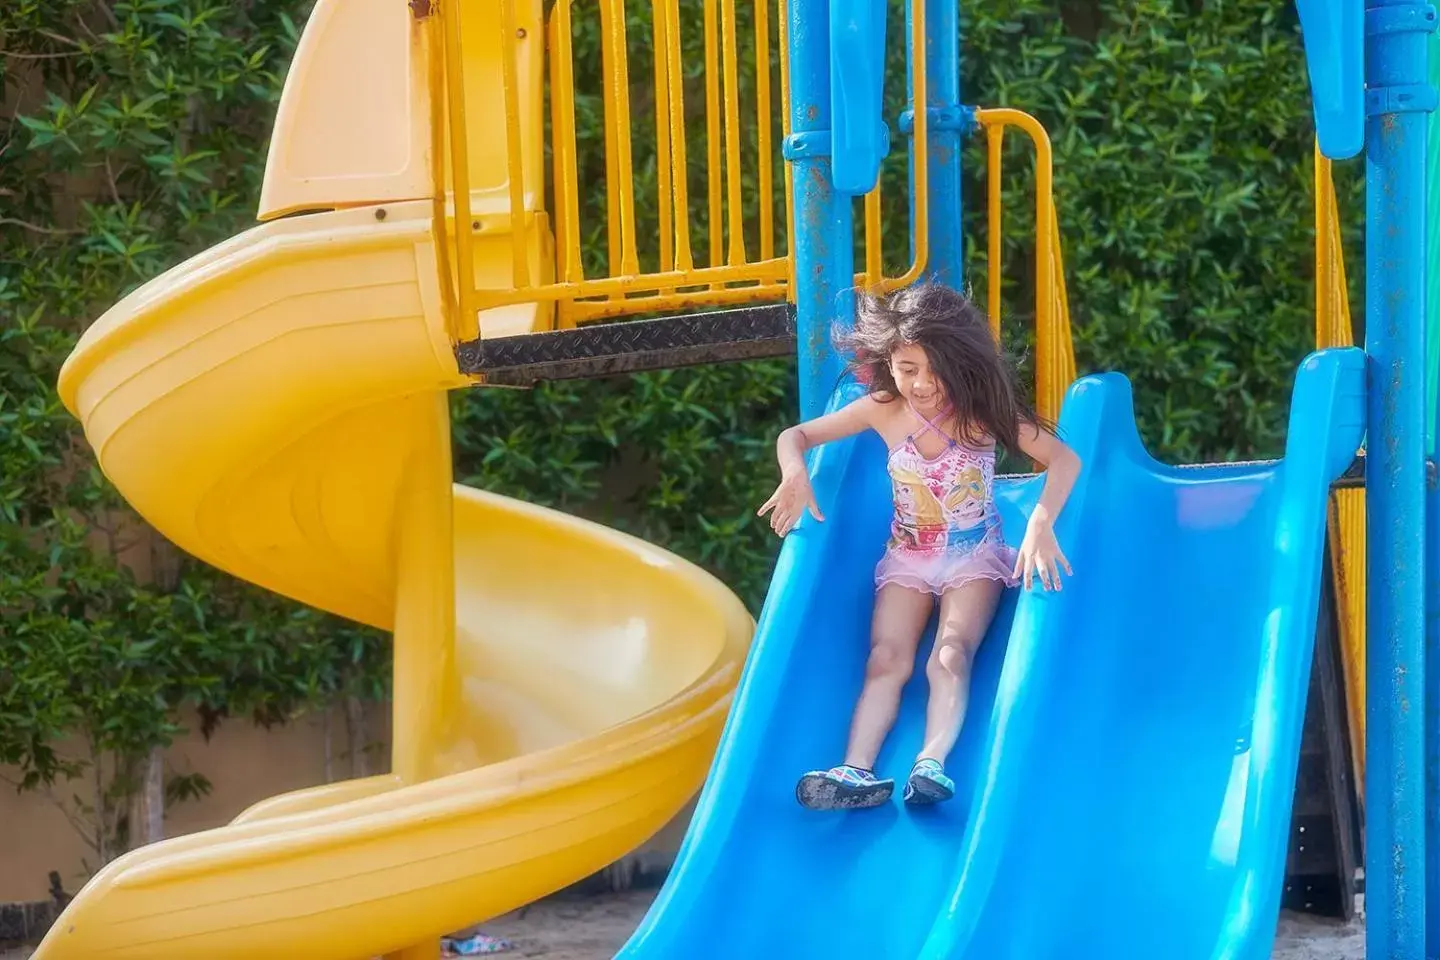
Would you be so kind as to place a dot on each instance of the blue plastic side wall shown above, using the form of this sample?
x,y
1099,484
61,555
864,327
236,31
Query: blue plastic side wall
x,y
1157,741
1334,33
857,80
1395,775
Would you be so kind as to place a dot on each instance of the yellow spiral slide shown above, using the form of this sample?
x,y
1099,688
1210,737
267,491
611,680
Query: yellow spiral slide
x,y
277,407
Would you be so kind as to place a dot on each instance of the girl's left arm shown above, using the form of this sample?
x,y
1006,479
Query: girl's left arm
x,y
1040,553
1062,468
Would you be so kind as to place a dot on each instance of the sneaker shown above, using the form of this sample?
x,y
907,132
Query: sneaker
x,y
928,783
842,788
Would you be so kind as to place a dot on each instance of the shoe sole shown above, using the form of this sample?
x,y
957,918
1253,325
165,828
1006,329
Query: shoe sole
x,y
924,792
815,792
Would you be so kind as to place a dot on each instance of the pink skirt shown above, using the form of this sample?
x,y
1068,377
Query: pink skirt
x,y
936,570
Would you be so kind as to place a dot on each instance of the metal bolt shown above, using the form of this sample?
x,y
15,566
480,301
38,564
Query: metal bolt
x,y
380,214
520,33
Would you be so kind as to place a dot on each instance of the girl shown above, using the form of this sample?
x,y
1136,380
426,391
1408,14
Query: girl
x,y
942,397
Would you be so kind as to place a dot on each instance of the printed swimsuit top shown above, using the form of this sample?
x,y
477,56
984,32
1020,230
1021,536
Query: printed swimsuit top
x,y
936,498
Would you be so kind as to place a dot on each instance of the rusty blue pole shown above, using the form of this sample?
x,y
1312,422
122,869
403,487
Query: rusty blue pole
x,y
948,121
1432,523
824,260
1398,98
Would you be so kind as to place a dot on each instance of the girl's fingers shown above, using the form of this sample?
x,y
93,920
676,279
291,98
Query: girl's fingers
x,y
815,509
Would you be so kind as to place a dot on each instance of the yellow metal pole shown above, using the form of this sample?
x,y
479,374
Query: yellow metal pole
x,y
684,260
764,151
432,33
618,76
712,132
665,190
514,158
1053,354
469,324
874,255
995,224
782,19
736,254
563,94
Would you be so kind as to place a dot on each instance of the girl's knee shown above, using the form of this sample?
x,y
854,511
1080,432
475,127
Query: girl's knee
x,y
952,658
889,661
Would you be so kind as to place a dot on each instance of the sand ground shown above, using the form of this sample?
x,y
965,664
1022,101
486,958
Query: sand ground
x,y
594,927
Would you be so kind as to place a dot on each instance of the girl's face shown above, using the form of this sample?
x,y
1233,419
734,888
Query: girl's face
x,y
910,366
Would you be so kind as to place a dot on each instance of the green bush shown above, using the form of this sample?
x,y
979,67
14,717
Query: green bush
x,y
134,134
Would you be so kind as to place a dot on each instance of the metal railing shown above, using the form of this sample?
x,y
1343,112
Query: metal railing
x,y
1054,347
730,270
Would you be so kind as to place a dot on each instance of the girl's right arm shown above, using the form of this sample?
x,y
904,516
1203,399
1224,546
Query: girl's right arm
x,y
794,494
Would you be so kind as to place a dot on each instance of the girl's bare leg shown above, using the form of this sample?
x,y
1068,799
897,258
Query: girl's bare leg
x,y
899,620
965,615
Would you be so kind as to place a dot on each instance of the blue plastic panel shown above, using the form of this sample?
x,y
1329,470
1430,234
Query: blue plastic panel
x,y
1334,34
1141,727
857,73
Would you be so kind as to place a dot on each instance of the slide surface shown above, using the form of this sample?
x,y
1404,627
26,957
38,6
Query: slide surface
x,y
1124,779
276,406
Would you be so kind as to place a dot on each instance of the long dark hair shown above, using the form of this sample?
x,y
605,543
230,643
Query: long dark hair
x,y
978,378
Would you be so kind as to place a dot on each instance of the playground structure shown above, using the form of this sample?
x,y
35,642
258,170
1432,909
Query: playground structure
x,y
276,406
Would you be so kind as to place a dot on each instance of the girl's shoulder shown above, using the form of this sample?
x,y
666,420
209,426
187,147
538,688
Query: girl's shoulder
x,y
974,436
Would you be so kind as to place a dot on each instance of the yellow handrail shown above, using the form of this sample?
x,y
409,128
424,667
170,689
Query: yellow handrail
x,y
994,140
1054,348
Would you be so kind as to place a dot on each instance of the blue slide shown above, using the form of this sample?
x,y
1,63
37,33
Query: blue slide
x,y
1125,774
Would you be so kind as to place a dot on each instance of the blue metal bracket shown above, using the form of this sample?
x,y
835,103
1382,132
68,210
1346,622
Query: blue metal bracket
x,y
1409,98
1406,18
1334,34
960,118
860,139
803,146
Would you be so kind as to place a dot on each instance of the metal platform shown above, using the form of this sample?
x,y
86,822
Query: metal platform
x,y
631,346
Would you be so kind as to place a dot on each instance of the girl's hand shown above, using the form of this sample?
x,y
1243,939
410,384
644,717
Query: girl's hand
x,y
789,502
1040,554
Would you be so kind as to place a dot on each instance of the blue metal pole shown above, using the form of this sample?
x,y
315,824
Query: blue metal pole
x,y
824,257
1432,524
1398,98
948,120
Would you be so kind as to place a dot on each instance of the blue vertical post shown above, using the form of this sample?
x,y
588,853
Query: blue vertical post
x,y
948,122
824,258
1432,525
1397,100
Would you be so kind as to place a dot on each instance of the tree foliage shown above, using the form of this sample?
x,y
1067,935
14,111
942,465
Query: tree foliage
x,y
134,132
